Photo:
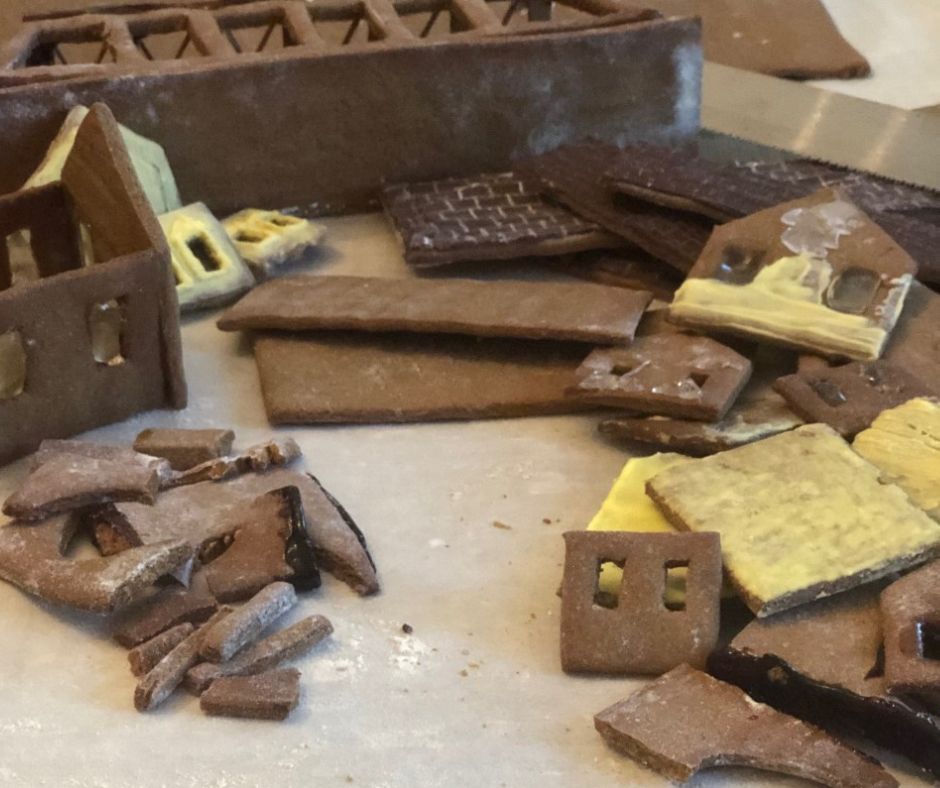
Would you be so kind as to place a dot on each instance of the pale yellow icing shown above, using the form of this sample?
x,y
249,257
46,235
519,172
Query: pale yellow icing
x,y
262,236
797,510
147,157
784,301
904,443
628,508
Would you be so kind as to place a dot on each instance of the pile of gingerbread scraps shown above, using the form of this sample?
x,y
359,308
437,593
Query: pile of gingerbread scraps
x,y
198,551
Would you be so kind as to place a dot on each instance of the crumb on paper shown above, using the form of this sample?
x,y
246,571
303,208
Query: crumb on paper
x,y
501,525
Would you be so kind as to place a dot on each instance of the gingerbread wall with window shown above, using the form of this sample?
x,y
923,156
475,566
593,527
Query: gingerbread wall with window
x,y
92,337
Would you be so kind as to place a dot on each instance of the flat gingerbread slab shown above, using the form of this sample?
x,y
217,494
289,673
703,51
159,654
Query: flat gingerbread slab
x,y
361,379
801,516
669,374
486,217
687,721
528,310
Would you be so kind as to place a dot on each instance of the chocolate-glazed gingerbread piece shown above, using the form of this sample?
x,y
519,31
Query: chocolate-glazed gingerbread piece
x,y
573,175
264,654
812,274
824,662
331,378
271,543
676,375
525,310
486,217
638,630
144,658
812,518
206,511
910,614
687,721
185,448
32,557
70,481
163,678
265,696
164,609
227,637
850,397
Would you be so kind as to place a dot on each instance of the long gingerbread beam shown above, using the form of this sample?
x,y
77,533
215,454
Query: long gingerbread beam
x,y
328,126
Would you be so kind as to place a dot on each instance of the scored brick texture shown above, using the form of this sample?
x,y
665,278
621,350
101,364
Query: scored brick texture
x,y
470,214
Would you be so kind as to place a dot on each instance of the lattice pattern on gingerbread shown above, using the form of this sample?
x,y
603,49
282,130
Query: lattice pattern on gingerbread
x,y
128,39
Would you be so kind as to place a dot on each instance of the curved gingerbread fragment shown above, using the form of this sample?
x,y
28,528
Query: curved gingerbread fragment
x,y
32,558
687,721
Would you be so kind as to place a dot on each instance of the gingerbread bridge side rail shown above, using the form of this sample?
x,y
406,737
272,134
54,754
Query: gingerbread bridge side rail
x,y
179,37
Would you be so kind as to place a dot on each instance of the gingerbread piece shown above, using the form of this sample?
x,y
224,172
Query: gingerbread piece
x,y
144,658
271,543
204,512
849,398
185,448
687,721
797,39
227,637
636,631
264,654
269,240
670,374
110,329
813,274
634,270
265,696
486,217
331,379
327,155
526,310
164,609
904,443
163,678
812,518
915,344
208,269
824,662
32,557
573,175
259,458
910,612
71,481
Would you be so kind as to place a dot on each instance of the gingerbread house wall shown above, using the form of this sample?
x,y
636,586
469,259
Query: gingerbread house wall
x,y
66,389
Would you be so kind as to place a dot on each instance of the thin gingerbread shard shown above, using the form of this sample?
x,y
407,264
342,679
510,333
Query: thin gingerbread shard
x,y
264,654
258,458
184,448
810,517
32,557
70,481
687,721
204,512
526,310
227,637
144,658
265,696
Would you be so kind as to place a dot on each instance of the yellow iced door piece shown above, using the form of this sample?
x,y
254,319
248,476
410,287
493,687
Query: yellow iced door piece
x,y
628,508
269,239
904,442
801,516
